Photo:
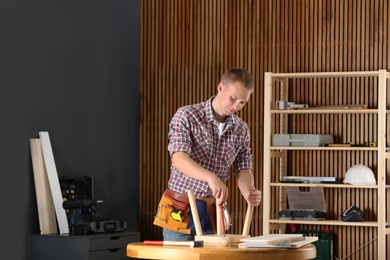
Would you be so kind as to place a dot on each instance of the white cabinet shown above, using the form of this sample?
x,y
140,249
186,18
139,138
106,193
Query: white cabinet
x,y
351,106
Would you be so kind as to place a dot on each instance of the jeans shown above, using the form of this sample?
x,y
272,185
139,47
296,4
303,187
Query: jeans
x,y
176,236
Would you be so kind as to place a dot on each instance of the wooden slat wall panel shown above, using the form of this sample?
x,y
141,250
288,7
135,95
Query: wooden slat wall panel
x,y
187,45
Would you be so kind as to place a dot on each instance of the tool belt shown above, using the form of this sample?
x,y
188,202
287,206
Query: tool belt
x,y
179,201
173,212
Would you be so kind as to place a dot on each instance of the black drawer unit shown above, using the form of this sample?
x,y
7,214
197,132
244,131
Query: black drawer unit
x,y
105,246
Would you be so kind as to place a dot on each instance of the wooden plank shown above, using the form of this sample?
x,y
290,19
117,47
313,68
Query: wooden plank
x,y
46,212
54,182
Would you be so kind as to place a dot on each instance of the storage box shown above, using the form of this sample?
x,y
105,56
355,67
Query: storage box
x,y
77,188
305,205
313,199
302,139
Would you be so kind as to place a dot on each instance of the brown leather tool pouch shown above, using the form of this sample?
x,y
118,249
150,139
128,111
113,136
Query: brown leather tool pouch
x,y
172,212
179,201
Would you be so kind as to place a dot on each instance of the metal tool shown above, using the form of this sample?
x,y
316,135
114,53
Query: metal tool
x,y
85,203
370,144
174,243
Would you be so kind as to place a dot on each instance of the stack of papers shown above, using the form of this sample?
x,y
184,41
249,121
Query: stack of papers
x,y
277,240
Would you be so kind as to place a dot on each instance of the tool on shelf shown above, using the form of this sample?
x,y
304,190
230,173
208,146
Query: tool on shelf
x,y
352,144
282,105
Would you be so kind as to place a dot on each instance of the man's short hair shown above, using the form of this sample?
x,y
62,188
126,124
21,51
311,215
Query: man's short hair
x,y
238,74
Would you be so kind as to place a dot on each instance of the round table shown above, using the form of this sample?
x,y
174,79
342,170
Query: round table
x,y
218,252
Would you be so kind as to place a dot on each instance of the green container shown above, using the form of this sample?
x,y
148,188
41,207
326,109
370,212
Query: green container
x,y
324,245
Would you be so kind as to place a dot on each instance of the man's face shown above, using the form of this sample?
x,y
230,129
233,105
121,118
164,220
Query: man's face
x,y
233,97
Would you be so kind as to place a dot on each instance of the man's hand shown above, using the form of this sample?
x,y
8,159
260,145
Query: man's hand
x,y
246,184
254,197
219,189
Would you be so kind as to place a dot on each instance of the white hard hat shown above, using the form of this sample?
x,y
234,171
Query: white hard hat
x,y
359,175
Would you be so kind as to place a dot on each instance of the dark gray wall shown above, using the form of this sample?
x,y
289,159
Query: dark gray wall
x,y
70,68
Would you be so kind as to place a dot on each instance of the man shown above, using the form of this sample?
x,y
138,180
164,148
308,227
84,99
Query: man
x,y
205,140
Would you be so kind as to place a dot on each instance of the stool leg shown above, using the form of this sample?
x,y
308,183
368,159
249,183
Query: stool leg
x,y
248,220
195,214
219,218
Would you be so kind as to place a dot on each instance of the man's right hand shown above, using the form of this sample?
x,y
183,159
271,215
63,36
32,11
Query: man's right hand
x,y
219,189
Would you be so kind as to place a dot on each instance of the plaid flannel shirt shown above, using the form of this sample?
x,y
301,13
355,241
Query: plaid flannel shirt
x,y
194,130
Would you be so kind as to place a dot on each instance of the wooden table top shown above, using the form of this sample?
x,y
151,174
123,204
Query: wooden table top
x,y
218,252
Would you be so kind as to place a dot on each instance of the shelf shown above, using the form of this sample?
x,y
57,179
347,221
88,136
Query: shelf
x,y
324,185
325,222
345,123
324,111
355,148
326,74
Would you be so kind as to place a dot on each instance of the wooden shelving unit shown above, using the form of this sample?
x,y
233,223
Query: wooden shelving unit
x,y
278,160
